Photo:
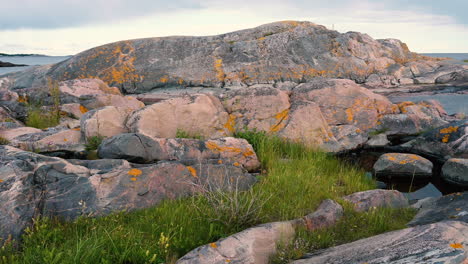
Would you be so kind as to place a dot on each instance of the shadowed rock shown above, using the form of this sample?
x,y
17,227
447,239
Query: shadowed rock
x,y
443,242
456,171
403,165
450,207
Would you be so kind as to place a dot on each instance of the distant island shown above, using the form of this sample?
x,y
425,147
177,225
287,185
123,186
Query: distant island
x,y
9,64
22,55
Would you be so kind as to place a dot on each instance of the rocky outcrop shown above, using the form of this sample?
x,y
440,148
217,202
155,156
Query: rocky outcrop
x,y
136,147
450,207
443,242
104,122
366,200
456,171
33,185
9,64
198,115
281,51
403,165
443,143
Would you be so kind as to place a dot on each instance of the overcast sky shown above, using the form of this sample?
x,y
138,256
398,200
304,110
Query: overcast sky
x,y
62,27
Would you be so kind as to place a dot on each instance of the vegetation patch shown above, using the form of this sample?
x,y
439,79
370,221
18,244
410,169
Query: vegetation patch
x,y
293,182
4,141
184,134
43,118
92,143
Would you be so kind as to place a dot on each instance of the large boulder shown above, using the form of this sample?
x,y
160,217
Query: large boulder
x,y
442,242
280,51
51,140
450,207
12,133
33,185
140,148
456,171
261,108
404,165
367,200
198,115
105,122
343,102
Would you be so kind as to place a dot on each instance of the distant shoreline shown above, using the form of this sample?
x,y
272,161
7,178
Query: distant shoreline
x,y
9,64
22,55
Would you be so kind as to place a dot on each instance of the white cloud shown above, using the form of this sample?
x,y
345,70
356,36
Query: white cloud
x,y
423,32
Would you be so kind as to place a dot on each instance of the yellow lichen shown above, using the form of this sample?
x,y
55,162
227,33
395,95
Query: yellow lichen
x,y
192,171
236,164
230,124
134,172
446,138
448,130
218,66
280,118
164,79
83,109
456,245
213,245
349,114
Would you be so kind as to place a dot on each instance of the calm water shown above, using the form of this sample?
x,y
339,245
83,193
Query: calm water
x,y
453,103
28,60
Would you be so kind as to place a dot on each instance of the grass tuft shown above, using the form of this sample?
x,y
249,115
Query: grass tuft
x,y
184,134
293,182
92,143
4,141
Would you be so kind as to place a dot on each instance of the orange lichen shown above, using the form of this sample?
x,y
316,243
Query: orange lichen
x,y
236,164
220,162
65,139
349,114
133,179
448,130
213,245
164,79
192,171
83,109
230,124
134,172
446,138
215,148
22,99
76,129
218,66
456,245
402,106
280,118
1,181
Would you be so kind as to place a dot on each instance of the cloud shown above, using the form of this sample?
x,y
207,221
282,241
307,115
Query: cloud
x,y
45,14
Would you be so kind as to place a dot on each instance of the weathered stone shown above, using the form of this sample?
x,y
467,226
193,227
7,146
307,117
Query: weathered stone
x,y
304,123
10,134
454,77
140,148
128,103
349,136
261,109
281,51
428,191
444,142
251,246
74,110
106,122
379,140
344,102
327,214
49,141
74,90
404,165
442,242
199,115
450,207
456,171
366,200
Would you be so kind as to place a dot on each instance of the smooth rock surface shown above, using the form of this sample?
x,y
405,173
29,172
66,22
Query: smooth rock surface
x,y
366,200
403,165
450,207
105,122
456,171
443,242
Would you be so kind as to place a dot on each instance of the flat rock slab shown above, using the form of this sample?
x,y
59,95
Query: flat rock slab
x,y
403,165
449,207
364,201
444,242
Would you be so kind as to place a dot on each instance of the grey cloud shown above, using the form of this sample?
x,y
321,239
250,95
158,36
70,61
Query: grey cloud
x,y
45,14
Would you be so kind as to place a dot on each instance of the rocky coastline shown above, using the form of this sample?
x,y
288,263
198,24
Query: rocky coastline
x,y
295,80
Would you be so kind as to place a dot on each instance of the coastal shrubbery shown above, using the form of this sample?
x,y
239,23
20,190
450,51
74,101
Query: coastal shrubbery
x,y
293,182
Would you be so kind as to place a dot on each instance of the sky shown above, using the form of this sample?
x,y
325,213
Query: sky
x,y
67,27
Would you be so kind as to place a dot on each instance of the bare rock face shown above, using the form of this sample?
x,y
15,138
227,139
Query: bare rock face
x,y
343,102
136,147
281,51
456,171
450,207
366,200
403,165
106,122
445,142
262,108
199,115
50,141
443,242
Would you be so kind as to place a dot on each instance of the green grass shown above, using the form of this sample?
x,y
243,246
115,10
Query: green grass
x,y
184,134
465,60
4,141
40,118
92,143
293,183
